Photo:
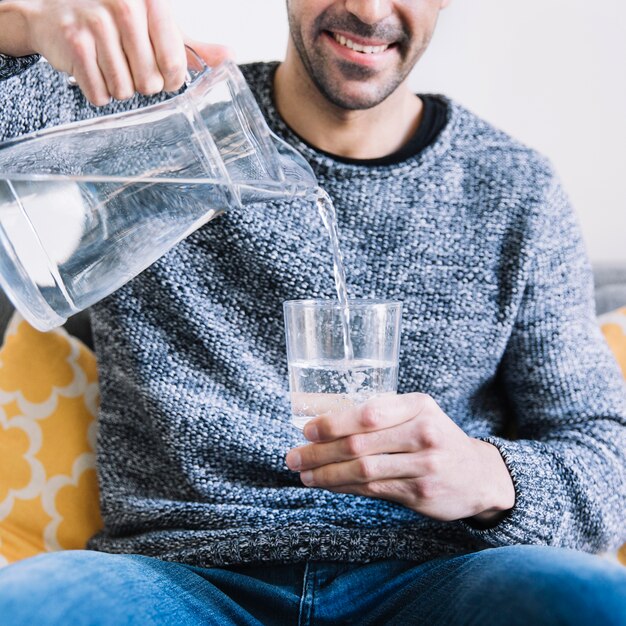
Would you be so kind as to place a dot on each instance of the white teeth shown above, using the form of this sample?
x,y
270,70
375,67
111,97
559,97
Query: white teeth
x,y
344,41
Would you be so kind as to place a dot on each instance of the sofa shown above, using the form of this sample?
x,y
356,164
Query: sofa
x,y
610,283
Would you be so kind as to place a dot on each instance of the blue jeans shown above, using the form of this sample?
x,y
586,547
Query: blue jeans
x,y
527,585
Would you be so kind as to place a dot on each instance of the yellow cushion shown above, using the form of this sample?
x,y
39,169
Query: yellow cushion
x,y
48,404
614,328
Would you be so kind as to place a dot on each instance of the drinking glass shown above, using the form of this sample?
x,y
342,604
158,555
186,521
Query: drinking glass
x,y
339,358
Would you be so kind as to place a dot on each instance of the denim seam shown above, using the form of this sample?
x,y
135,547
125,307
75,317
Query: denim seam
x,y
304,613
315,584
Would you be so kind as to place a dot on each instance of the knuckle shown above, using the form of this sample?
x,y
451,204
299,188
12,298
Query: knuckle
x,y
370,417
103,100
353,445
172,86
65,20
98,22
77,42
430,436
425,489
124,11
430,404
68,28
172,69
123,93
365,468
89,91
117,85
98,100
174,82
150,85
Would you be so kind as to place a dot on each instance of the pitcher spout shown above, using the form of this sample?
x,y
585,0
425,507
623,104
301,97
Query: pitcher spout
x,y
294,179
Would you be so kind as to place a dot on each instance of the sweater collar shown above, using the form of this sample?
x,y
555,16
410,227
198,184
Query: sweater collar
x,y
323,163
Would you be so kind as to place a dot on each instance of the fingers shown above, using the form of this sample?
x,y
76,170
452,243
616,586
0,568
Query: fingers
x,y
394,490
132,21
86,71
139,48
367,469
112,60
402,438
114,48
167,43
381,412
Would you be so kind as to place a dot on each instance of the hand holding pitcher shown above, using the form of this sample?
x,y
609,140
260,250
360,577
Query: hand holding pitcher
x,y
113,48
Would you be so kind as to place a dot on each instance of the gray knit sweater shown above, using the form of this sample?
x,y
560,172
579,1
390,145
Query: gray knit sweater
x,y
474,235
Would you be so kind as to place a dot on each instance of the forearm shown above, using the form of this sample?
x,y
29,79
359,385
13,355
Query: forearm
x,y
570,489
16,53
496,495
14,34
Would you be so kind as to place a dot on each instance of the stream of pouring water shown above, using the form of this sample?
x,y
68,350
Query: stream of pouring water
x,y
329,218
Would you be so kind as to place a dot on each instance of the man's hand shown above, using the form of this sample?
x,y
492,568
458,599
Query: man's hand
x,y
405,449
112,48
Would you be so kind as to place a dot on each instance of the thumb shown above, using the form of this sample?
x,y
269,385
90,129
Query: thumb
x,y
212,54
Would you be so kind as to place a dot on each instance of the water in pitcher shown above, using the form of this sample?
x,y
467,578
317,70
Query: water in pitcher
x,y
79,238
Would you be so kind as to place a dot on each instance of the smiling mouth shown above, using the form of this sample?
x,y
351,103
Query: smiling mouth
x,y
359,47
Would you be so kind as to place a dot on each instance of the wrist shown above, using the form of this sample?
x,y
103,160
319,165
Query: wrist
x,y
15,19
497,492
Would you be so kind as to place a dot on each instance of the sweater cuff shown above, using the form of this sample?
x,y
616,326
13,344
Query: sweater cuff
x,y
538,510
12,66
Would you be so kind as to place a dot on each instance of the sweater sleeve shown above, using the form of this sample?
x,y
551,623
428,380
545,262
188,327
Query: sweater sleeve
x,y
12,66
40,97
33,99
568,400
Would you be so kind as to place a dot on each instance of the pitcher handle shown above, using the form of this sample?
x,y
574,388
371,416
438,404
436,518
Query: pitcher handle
x,y
200,68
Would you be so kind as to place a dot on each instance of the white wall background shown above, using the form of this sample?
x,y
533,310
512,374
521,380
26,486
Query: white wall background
x,y
550,72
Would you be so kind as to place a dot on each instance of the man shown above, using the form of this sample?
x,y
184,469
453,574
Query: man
x,y
510,426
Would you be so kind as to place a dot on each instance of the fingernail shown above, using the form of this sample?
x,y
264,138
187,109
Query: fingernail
x,y
294,460
310,432
307,477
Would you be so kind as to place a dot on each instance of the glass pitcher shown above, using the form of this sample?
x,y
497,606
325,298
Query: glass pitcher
x,y
87,206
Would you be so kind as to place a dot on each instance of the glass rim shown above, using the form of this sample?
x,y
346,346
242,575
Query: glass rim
x,y
328,303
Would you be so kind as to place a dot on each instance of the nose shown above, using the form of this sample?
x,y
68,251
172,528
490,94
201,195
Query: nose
x,y
370,11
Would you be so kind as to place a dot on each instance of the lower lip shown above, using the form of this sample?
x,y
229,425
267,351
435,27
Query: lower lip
x,y
360,58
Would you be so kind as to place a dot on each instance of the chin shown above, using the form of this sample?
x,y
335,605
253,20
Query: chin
x,y
355,93
352,101
352,97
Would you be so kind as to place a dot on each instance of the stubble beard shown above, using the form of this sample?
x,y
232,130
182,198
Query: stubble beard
x,y
318,67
